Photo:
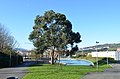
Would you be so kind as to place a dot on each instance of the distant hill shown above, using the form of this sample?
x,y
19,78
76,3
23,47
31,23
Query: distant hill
x,y
21,49
102,47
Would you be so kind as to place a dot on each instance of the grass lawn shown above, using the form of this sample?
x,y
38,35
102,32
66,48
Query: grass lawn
x,y
47,71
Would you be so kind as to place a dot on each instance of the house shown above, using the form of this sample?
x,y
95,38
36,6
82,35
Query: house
x,y
110,54
23,52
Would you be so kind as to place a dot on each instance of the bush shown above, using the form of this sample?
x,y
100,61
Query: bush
x,y
5,60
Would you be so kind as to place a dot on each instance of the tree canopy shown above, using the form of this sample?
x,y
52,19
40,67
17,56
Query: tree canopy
x,y
53,30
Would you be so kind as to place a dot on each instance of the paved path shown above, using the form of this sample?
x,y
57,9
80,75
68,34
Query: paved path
x,y
112,73
15,71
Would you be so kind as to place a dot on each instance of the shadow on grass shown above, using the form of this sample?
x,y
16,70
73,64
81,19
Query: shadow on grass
x,y
37,65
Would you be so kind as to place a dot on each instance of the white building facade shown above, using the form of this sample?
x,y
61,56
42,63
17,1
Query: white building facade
x,y
109,54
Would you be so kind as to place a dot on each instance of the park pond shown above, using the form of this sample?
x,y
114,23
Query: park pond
x,y
76,62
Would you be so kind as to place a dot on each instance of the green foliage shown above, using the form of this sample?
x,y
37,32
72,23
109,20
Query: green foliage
x,y
74,49
5,60
112,49
110,60
53,30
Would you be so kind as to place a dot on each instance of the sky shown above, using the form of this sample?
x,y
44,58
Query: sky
x,y
95,20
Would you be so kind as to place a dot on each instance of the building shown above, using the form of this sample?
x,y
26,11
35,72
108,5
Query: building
x,y
24,53
109,54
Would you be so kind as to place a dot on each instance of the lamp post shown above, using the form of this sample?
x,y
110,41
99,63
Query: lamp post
x,y
96,56
82,52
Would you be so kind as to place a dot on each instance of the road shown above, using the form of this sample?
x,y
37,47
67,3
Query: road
x,y
112,73
18,71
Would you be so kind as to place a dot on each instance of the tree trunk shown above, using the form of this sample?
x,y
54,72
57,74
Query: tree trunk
x,y
52,56
59,56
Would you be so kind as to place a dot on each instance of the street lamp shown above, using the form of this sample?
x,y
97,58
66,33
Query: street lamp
x,y
96,56
82,52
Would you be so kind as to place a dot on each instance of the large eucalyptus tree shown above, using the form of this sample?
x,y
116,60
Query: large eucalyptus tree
x,y
53,31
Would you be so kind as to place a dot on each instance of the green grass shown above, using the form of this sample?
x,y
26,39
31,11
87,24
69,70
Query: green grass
x,y
60,72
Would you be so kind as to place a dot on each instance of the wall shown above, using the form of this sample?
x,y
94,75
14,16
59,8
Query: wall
x,y
110,54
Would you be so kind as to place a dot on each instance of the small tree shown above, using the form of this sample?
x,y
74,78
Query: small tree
x,y
53,31
7,42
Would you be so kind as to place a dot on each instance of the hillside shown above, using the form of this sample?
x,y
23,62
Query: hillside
x,y
102,47
21,49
